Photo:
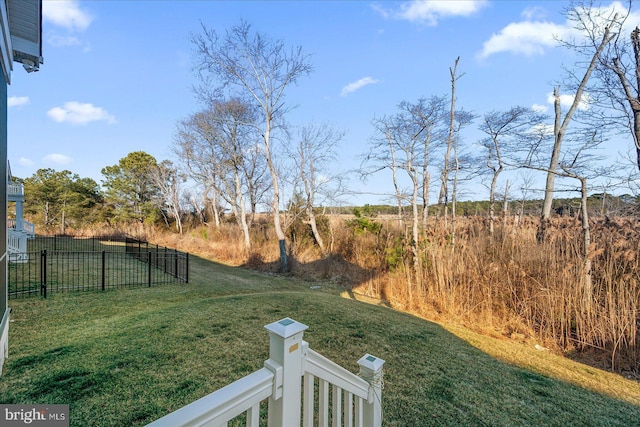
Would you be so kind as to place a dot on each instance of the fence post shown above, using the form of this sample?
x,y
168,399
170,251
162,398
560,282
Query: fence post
x,y
285,359
103,268
149,262
175,270
186,273
371,372
43,273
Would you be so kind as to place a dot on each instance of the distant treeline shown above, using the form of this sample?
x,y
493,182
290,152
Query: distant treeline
x,y
600,204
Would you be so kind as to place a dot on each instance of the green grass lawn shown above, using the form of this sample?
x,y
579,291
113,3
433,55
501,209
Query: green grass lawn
x,y
127,357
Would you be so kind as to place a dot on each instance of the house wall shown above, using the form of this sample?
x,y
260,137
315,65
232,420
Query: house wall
x,y
3,192
4,309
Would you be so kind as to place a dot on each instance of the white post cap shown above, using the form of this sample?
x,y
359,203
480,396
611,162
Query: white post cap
x,y
286,327
371,362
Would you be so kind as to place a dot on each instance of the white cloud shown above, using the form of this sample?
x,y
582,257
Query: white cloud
x,y
66,14
566,100
57,158
60,41
542,130
535,35
429,12
23,161
526,38
78,113
352,87
539,108
17,101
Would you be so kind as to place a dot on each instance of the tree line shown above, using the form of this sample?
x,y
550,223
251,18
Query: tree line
x,y
138,188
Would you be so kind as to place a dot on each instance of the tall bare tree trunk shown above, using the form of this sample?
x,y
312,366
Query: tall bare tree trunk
x,y
243,211
443,198
275,202
394,171
426,176
492,199
213,205
586,241
559,130
62,225
415,236
46,214
631,94
454,193
314,230
505,206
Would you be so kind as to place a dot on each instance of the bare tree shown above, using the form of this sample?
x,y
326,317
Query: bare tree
x,y
256,175
382,155
232,121
601,37
217,145
618,68
504,129
167,179
443,198
194,145
402,144
315,151
425,119
248,64
560,129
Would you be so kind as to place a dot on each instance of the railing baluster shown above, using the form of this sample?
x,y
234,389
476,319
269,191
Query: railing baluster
x,y
358,412
308,400
348,409
337,406
323,404
253,416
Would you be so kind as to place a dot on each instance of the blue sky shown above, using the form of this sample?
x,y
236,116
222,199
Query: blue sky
x,y
117,75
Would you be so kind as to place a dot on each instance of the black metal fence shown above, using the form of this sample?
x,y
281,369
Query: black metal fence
x,y
62,263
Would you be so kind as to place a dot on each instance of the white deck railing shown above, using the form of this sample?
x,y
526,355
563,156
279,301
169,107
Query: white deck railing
x,y
17,246
16,242
28,228
344,399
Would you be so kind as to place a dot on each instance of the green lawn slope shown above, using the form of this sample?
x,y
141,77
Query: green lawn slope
x,y
127,357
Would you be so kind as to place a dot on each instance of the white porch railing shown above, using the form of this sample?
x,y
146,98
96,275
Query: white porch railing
x,y
17,246
28,228
355,401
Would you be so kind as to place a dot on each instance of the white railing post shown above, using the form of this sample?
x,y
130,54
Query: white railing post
x,y
371,371
285,351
